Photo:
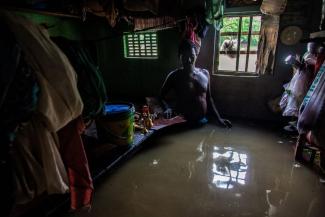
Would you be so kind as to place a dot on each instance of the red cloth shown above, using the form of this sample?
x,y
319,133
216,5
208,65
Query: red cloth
x,y
189,32
75,160
190,27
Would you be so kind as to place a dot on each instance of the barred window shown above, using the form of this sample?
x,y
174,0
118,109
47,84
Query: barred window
x,y
238,42
141,45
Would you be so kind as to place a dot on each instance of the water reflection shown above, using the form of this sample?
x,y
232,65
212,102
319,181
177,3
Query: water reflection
x,y
276,200
289,195
229,167
201,151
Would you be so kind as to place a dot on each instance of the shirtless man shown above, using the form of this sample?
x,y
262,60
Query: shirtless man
x,y
192,88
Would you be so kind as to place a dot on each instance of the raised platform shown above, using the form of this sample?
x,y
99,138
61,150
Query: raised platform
x,y
103,159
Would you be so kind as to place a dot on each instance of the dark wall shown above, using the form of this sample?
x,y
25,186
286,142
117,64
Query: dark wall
x,y
137,77
123,77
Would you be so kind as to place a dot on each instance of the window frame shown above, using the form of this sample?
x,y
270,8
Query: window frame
x,y
153,44
236,72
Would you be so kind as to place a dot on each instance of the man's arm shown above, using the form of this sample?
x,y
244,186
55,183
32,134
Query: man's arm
x,y
221,121
167,86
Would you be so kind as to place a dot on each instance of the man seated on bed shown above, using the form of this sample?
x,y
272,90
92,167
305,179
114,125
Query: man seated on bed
x,y
192,89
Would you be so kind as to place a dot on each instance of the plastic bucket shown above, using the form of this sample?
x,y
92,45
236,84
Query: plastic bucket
x,y
117,123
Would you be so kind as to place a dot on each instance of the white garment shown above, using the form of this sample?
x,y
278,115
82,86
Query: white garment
x,y
38,166
295,92
296,89
59,101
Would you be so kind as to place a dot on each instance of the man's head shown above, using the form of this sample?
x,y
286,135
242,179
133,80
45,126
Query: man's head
x,y
188,52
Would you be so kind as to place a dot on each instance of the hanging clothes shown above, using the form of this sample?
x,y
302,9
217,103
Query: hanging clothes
x,y
18,99
91,84
190,27
214,13
312,113
313,104
18,107
273,7
59,103
190,32
75,160
38,166
295,91
297,88
267,44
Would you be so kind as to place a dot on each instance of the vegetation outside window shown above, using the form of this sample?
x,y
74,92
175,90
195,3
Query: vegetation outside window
x,y
140,45
238,44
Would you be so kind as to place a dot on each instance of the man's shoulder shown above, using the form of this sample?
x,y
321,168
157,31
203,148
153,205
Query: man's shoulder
x,y
203,71
174,72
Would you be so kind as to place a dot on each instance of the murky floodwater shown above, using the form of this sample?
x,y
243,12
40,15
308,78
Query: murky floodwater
x,y
210,171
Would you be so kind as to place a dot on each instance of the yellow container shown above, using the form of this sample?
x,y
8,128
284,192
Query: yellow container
x,y
117,123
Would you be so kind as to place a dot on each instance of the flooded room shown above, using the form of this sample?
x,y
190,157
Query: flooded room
x,y
162,108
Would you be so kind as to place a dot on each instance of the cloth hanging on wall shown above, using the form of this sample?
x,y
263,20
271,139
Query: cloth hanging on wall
x,y
269,35
214,13
267,44
273,7
75,159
